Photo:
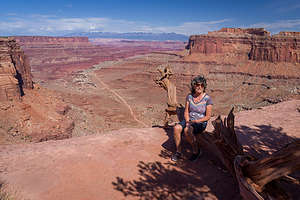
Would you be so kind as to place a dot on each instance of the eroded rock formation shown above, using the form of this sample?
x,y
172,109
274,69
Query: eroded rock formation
x,y
40,115
226,40
282,47
253,43
15,72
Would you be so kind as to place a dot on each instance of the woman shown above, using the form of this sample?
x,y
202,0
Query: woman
x,y
198,108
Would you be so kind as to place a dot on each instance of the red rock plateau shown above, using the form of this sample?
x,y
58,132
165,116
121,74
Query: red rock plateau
x,y
135,163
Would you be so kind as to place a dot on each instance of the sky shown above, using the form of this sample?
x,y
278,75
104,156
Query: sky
x,y
61,17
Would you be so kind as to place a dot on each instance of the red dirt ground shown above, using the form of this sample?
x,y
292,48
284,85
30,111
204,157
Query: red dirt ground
x,y
134,163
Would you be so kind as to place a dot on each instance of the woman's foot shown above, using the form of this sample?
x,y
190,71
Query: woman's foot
x,y
195,156
176,156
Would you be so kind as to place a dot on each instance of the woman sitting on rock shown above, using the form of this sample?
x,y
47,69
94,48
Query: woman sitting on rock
x,y
198,108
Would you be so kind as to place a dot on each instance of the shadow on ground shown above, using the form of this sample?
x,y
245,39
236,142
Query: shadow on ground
x,y
159,180
263,139
206,178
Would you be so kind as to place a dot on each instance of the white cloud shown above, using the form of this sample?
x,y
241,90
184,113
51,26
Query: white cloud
x,y
282,25
53,25
190,28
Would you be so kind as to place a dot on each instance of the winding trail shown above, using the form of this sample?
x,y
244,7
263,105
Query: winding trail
x,y
119,97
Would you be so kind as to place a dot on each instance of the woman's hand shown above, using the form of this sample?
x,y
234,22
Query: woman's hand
x,y
190,122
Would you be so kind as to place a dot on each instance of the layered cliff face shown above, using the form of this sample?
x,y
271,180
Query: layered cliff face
x,y
254,44
282,47
40,114
226,40
15,72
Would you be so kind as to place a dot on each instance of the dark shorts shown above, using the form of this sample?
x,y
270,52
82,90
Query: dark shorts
x,y
198,127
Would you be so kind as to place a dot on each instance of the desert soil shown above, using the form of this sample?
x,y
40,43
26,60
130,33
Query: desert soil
x,y
134,163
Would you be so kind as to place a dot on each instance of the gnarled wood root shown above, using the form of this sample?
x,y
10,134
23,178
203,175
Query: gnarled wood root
x,y
258,179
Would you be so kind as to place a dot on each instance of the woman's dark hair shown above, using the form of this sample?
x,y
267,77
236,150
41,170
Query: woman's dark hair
x,y
198,80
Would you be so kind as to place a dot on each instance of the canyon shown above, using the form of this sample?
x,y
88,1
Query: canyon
x,y
83,75
100,93
51,107
54,57
104,84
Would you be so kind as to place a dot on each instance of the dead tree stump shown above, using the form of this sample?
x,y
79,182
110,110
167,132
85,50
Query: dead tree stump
x,y
164,81
258,179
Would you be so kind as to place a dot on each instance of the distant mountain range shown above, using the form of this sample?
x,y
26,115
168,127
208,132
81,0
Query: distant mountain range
x,y
133,36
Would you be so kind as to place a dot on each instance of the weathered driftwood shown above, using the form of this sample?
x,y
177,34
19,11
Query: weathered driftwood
x,y
279,164
258,178
164,81
226,140
263,177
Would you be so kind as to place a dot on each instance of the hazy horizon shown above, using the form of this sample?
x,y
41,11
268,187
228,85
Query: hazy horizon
x,y
58,18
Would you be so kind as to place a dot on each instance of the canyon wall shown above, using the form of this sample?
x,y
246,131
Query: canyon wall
x,y
37,116
253,43
226,40
15,71
282,47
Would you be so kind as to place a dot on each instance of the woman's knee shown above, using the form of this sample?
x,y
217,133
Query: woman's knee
x,y
188,130
177,128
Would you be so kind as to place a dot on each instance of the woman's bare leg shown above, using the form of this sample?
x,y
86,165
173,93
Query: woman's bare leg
x,y
177,137
188,131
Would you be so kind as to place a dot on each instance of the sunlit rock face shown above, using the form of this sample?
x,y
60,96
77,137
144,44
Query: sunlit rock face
x,y
282,47
27,113
226,40
253,43
15,72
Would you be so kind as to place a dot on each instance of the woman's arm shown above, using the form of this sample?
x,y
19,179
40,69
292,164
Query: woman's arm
x,y
186,111
207,115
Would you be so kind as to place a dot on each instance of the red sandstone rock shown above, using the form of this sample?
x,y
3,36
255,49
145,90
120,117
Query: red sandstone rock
x,y
15,71
254,44
252,31
234,41
40,115
283,47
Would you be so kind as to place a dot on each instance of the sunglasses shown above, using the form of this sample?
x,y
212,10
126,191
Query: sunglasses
x,y
198,85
